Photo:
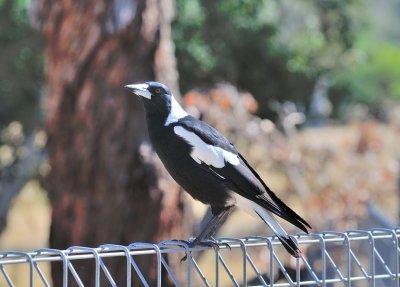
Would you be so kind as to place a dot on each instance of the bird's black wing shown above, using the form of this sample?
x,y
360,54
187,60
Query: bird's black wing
x,y
240,176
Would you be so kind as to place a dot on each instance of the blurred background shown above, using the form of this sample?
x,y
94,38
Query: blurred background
x,y
308,91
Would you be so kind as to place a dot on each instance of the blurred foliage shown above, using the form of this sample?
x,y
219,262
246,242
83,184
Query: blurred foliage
x,y
319,35
277,50
21,62
377,76
274,49
219,41
21,79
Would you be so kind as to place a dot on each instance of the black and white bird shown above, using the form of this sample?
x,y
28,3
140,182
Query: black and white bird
x,y
209,167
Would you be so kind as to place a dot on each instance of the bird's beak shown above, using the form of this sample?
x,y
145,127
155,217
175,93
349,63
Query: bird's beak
x,y
139,90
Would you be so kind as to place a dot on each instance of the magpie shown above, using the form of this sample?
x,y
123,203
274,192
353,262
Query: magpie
x,y
209,167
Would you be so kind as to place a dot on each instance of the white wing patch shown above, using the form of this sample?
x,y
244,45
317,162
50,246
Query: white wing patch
x,y
175,113
202,152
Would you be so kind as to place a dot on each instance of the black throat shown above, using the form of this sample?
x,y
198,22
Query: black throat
x,y
156,113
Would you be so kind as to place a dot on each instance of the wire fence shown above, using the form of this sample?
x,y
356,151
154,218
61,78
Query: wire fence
x,y
352,258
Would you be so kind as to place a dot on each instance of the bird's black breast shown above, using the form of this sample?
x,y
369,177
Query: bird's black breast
x,y
199,182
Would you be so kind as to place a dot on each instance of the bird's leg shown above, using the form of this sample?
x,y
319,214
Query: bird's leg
x,y
205,237
211,227
207,232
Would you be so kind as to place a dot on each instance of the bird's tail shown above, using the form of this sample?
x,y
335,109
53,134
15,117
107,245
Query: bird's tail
x,y
283,237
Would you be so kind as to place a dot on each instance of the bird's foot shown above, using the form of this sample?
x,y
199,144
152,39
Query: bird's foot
x,y
196,242
209,243
193,242
214,243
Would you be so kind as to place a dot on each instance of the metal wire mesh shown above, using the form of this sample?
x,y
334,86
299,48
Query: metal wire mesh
x,y
352,258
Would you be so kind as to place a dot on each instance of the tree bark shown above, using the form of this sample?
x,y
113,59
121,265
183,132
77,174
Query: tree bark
x,y
105,185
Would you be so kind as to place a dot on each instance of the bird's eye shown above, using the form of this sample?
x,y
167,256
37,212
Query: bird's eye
x,y
157,91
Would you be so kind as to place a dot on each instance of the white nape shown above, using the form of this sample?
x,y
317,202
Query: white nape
x,y
205,153
175,113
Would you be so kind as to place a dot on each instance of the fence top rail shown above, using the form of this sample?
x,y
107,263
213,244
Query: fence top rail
x,y
173,246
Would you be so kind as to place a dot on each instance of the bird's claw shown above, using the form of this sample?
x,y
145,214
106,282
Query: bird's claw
x,y
191,243
227,245
185,244
215,244
184,258
210,243
221,243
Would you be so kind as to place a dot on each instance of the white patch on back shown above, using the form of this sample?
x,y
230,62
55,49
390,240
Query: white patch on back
x,y
176,112
202,152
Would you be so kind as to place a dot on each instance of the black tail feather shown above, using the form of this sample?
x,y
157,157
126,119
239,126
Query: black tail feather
x,y
284,212
290,215
290,246
281,209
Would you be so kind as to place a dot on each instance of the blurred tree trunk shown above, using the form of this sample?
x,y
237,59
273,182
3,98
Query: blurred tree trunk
x,y
105,185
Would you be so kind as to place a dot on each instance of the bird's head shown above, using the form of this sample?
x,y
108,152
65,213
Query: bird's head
x,y
157,99
151,91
